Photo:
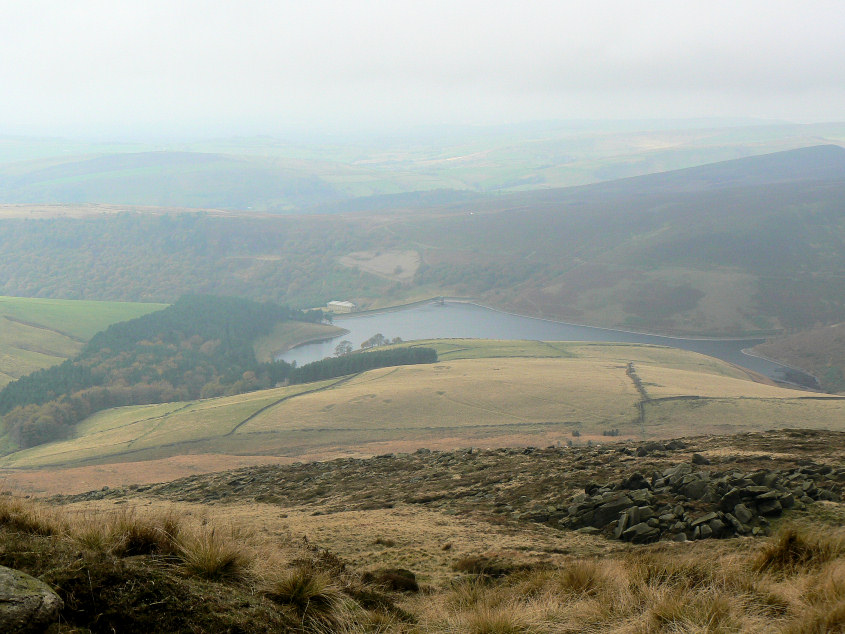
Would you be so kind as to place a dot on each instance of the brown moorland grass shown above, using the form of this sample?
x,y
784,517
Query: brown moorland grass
x,y
501,394
791,582
136,570
665,588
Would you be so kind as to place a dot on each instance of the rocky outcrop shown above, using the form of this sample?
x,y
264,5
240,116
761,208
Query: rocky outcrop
x,y
680,503
587,487
26,604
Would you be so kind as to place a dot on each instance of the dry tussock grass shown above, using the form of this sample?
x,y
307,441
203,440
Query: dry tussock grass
x,y
208,554
29,516
312,595
292,576
796,549
793,582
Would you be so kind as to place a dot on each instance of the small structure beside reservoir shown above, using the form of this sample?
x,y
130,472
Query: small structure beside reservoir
x,y
341,307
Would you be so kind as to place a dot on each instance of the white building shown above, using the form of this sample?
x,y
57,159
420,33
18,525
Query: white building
x,y
341,307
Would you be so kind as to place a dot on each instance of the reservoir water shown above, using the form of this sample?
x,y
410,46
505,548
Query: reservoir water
x,y
463,320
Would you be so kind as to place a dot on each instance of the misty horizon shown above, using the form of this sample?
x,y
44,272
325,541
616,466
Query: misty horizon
x,y
209,70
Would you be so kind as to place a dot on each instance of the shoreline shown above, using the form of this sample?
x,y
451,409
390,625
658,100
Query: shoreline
x,y
309,340
743,345
473,302
756,355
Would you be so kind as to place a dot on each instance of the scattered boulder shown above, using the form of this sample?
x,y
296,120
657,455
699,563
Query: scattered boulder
x,y
650,447
698,459
634,482
641,533
743,513
26,603
695,489
609,509
704,519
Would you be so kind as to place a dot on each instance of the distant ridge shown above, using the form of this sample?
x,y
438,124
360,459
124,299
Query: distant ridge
x,y
167,179
808,164
819,162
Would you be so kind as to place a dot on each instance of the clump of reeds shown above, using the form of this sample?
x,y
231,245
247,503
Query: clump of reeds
x,y
310,593
798,549
207,553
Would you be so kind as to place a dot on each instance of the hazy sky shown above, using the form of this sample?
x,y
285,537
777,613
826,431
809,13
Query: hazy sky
x,y
258,66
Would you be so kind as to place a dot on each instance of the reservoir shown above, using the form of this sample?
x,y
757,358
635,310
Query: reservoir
x,y
450,319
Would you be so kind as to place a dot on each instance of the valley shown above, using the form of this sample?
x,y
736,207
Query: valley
x,y
166,435
422,317
663,253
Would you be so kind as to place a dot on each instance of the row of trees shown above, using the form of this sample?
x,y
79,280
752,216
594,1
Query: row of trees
x,y
378,339
361,362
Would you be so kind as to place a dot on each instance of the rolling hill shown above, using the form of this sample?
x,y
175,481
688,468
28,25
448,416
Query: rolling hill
x,y
165,179
480,393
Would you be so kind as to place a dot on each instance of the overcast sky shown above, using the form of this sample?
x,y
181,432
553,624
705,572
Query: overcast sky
x,y
258,66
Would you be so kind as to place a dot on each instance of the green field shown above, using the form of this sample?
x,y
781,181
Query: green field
x,y
37,333
480,393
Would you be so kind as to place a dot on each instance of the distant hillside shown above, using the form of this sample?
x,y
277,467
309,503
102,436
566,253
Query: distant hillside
x,y
166,179
816,163
642,253
334,173
159,257
746,246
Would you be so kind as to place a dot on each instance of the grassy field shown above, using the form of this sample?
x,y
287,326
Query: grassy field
x,y
393,265
124,432
37,333
481,393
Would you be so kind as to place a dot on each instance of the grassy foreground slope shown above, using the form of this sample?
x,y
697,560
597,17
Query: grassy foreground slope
x,y
460,542
36,333
481,393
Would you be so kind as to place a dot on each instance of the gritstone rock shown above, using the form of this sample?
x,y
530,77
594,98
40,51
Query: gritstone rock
x,y
26,603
